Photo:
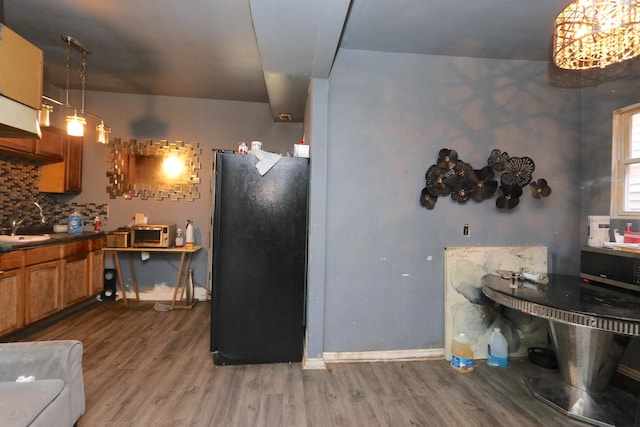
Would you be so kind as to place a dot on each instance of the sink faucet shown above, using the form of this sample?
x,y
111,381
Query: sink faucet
x,y
15,224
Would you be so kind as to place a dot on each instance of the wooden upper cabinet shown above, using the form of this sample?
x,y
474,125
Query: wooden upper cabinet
x,y
73,181
64,176
51,145
50,148
17,146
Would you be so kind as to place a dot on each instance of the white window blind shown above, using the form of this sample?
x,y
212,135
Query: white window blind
x,y
632,166
625,163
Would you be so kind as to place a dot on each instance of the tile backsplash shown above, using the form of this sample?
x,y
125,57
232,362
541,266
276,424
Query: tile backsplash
x,y
19,182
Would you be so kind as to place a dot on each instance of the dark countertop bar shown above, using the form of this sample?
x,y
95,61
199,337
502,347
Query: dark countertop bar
x,y
56,239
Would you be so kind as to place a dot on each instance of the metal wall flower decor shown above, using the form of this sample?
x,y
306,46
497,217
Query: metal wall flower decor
x,y
451,176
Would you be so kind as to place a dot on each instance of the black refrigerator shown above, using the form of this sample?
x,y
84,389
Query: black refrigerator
x,y
259,260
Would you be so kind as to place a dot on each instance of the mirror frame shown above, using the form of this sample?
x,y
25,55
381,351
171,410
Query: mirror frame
x,y
121,154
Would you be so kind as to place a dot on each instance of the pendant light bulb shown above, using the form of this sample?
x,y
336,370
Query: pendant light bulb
x,y
75,125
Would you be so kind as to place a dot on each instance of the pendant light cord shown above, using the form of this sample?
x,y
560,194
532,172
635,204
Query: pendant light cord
x,y
83,78
67,72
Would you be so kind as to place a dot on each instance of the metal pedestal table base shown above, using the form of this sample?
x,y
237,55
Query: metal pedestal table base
x,y
590,328
587,359
613,408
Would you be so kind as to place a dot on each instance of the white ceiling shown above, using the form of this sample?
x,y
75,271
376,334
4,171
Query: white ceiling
x,y
265,50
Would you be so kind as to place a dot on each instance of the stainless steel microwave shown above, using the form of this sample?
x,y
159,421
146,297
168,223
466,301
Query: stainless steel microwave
x,y
610,267
153,235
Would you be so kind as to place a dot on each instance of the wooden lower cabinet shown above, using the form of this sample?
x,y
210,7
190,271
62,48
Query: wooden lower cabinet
x,y
75,271
40,281
96,267
42,290
11,292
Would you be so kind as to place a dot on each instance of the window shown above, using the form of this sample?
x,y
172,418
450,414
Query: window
x,y
625,167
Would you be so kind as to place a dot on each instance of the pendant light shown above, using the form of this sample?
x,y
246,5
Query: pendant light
x,y
44,115
102,133
75,123
596,33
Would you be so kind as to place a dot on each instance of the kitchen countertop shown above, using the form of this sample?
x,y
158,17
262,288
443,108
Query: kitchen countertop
x,y
56,239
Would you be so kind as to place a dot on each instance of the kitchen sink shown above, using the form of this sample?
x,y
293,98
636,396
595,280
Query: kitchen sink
x,y
24,238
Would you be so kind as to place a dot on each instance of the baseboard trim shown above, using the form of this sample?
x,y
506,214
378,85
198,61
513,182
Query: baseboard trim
x,y
313,363
383,356
42,324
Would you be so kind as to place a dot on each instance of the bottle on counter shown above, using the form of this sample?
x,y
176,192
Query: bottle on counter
x,y
535,277
75,223
96,225
497,349
179,238
189,239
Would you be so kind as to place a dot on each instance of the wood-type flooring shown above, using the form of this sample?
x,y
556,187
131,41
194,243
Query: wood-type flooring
x,y
148,368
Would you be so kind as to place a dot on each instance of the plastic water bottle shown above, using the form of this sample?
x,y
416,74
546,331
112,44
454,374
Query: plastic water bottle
x,y
497,349
75,223
461,354
189,240
179,238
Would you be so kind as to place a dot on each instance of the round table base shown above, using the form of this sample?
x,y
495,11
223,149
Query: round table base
x,y
587,360
613,408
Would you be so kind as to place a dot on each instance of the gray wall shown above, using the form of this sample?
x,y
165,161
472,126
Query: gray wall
x,y
599,103
376,266
212,124
388,116
315,130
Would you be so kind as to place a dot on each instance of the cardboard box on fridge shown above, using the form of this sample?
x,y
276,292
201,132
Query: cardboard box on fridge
x,y
301,150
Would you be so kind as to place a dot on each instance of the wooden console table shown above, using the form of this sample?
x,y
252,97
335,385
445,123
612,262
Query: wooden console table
x,y
183,270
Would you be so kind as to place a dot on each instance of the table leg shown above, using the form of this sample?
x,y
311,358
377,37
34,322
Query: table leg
x,y
181,280
177,285
587,360
134,280
119,272
186,276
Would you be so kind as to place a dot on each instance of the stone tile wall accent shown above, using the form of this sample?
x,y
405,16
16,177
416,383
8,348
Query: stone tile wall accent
x,y
19,181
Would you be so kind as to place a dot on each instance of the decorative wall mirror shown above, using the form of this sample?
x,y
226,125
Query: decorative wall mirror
x,y
153,170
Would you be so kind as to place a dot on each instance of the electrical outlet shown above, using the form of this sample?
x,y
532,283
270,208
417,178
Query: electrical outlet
x,y
465,230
